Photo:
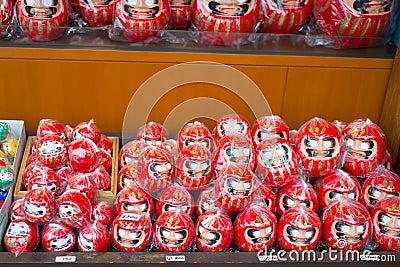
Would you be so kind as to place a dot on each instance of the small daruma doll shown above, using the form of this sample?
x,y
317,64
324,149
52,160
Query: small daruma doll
x,y
365,147
180,14
195,133
93,237
346,225
276,162
255,229
339,183
132,232
39,206
235,149
96,13
42,20
353,23
51,151
173,232
195,167
175,198
155,168
320,147
232,124
221,20
386,220
299,192
380,184
142,19
286,16
58,237
235,187
269,127
152,133
299,229
133,199
6,14
214,231
21,236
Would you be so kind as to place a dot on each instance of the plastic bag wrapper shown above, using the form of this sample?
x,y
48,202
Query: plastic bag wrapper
x,y
133,198
44,177
320,147
17,210
7,177
6,25
129,153
292,137
196,133
265,196
21,236
84,155
174,198
207,201
106,160
276,162
299,229
102,179
132,232
172,146
237,149
58,237
269,127
51,151
140,21
64,172
235,187
174,232
102,212
255,229
365,147
347,225
226,23
35,168
42,28
231,124
340,124
194,167
388,161
297,193
156,168
127,175
351,23
339,183
386,228
105,144
51,126
39,206
379,185
93,237
74,208
84,183
285,17
214,231
87,130
152,133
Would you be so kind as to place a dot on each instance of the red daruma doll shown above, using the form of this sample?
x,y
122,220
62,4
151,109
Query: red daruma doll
x,y
6,13
96,13
353,23
141,19
42,20
222,21
285,16
180,13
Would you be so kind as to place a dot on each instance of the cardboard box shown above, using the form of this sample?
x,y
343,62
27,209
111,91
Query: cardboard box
x,y
108,196
18,131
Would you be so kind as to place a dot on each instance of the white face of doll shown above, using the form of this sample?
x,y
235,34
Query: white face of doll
x,y
18,229
62,243
33,210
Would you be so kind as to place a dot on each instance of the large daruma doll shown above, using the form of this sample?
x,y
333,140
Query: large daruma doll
x,y
353,23
285,16
224,22
42,20
142,19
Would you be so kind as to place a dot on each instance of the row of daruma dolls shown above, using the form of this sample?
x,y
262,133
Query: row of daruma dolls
x,y
230,198
350,23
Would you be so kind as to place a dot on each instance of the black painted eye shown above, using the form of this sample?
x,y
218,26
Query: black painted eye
x,y
310,142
